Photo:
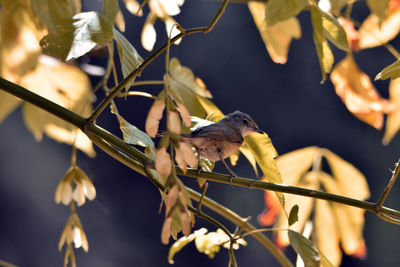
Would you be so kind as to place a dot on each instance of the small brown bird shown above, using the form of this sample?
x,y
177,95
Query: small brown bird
x,y
219,140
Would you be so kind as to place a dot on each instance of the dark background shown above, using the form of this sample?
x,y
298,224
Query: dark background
x,y
123,225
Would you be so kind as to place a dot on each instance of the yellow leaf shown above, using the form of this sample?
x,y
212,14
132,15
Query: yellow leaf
x,y
310,181
8,104
278,10
350,220
393,119
373,33
67,86
351,182
324,52
277,38
326,231
294,164
149,34
358,93
379,8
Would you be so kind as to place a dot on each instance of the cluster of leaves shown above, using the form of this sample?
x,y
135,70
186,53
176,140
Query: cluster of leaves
x,y
331,21
66,33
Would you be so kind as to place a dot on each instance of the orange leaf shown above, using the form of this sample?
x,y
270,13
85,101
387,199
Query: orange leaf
x,y
358,93
393,119
273,208
373,33
353,36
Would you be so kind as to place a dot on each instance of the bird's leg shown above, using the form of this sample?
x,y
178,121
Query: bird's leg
x,y
231,173
198,161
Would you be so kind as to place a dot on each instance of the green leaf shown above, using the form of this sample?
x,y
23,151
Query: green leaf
x,y
133,135
129,57
110,10
392,71
294,215
325,261
305,248
324,52
281,10
77,36
52,13
379,7
334,32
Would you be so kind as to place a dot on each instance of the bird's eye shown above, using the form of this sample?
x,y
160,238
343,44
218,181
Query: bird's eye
x,y
245,122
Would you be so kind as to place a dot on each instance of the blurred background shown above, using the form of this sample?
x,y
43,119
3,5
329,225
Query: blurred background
x,y
122,224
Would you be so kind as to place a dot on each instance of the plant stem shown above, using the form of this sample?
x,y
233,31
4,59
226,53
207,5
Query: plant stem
x,y
389,186
94,131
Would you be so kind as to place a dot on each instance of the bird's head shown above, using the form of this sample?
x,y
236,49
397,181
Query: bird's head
x,y
243,122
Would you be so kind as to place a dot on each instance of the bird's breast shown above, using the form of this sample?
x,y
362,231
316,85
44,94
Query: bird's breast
x,y
211,149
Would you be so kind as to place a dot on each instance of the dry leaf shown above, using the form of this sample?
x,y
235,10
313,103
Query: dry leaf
x,y
277,38
335,225
174,122
163,161
154,116
373,33
393,119
358,93
353,36
67,86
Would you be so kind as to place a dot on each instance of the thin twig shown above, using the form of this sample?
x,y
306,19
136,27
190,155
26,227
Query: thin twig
x,y
202,196
389,186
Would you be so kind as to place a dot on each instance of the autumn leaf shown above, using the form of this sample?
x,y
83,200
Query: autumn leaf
x,y
353,36
129,57
358,93
277,38
334,225
278,10
52,13
67,86
324,52
393,119
374,32
379,8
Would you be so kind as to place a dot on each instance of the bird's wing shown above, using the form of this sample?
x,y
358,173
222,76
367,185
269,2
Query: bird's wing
x,y
214,131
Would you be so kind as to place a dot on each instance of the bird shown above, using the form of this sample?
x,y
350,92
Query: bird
x,y
219,140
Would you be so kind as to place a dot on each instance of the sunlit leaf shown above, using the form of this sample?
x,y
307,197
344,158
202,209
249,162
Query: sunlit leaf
x,y
337,6
133,6
293,215
149,34
324,52
305,248
19,35
129,57
294,164
392,71
7,264
342,170
78,36
379,8
52,13
334,32
110,10
325,262
326,231
375,33
306,204
353,36
277,38
281,10
67,86
393,119
358,93
186,87
8,104
179,244
133,135
350,220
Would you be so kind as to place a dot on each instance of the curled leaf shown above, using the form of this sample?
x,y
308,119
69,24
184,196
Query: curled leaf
x,y
358,93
